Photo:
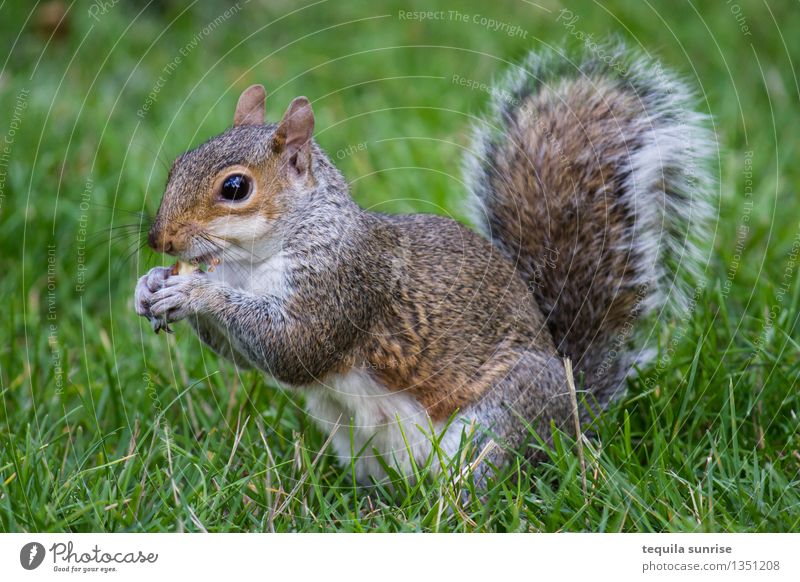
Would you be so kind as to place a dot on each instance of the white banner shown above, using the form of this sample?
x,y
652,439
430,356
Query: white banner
x,y
350,557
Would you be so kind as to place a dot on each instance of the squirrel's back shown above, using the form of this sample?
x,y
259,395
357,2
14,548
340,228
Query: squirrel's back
x,y
589,175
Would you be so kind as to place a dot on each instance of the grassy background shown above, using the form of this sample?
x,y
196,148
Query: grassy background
x,y
105,426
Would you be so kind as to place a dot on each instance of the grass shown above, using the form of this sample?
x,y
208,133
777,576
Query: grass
x,y
107,427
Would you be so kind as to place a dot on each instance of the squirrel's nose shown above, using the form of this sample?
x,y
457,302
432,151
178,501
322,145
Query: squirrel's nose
x,y
161,244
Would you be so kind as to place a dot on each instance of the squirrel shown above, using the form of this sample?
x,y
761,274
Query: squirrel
x,y
588,185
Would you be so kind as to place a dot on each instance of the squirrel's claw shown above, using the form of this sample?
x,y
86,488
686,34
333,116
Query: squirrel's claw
x,y
159,323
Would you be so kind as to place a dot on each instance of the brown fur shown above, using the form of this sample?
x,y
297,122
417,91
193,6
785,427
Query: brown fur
x,y
448,358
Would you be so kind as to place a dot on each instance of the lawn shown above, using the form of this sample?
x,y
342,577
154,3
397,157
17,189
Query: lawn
x,y
105,426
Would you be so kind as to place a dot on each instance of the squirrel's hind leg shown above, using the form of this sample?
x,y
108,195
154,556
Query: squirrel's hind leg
x,y
528,400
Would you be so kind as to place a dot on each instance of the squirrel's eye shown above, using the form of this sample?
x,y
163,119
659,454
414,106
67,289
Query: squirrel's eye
x,y
235,187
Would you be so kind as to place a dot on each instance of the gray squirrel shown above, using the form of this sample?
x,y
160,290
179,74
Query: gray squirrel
x,y
588,184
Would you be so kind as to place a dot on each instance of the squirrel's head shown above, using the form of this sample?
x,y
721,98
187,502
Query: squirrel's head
x,y
226,196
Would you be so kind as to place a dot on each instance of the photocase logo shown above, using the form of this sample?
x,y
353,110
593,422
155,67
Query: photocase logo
x,y
31,555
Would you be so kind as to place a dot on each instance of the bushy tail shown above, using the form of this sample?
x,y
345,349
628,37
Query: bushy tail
x,y
590,175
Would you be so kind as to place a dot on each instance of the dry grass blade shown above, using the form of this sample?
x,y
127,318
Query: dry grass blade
x,y
577,422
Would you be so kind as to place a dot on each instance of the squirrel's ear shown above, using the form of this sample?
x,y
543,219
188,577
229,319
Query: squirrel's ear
x,y
293,136
252,106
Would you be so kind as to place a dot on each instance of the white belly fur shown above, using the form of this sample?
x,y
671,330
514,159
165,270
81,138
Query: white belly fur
x,y
378,419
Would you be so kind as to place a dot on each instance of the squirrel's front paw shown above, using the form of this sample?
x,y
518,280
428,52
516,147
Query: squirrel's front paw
x,y
143,296
179,297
